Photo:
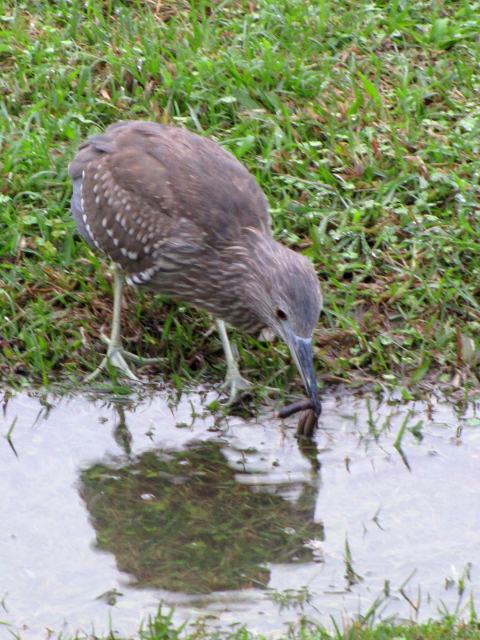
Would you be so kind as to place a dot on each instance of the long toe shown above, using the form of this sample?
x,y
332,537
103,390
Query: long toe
x,y
116,359
234,385
130,356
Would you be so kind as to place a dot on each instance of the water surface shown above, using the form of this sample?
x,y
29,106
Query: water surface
x,y
111,505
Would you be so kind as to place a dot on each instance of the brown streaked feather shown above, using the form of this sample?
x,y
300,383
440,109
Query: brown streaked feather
x,y
182,216
148,192
185,169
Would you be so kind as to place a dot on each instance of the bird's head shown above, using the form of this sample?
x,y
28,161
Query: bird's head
x,y
290,301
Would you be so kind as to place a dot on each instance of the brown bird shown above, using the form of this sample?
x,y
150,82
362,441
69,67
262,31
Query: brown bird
x,y
181,216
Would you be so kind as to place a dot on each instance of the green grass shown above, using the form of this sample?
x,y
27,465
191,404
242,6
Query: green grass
x,y
361,122
161,627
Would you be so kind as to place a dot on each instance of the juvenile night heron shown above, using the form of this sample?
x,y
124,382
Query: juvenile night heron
x,y
181,216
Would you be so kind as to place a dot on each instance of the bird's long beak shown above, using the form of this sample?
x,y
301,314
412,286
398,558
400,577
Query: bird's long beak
x,y
302,352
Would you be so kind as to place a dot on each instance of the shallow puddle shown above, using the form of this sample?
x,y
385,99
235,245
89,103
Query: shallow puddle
x,y
109,506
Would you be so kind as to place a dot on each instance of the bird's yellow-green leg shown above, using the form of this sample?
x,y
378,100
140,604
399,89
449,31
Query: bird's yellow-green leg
x,y
234,383
115,354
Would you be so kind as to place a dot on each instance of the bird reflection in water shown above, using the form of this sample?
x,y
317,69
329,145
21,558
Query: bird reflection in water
x,y
186,521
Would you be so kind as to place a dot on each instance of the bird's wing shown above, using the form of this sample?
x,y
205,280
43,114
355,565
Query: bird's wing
x,y
153,196
188,176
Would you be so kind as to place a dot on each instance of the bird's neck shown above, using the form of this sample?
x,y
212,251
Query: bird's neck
x,y
249,275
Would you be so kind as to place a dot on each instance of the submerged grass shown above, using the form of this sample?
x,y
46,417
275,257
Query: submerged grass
x,y
360,120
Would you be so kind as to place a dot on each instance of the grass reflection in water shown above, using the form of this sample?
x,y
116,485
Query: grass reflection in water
x,y
180,521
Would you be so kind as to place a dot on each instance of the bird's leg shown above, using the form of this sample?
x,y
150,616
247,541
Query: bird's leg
x,y
115,354
233,380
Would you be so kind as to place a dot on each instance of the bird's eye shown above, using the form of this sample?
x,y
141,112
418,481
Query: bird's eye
x,y
281,315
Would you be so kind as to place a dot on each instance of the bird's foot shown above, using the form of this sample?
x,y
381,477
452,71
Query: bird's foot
x,y
127,354
116,356
234,384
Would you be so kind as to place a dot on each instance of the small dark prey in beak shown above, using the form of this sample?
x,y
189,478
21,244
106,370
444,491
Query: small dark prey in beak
x,y
308,418
295,407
